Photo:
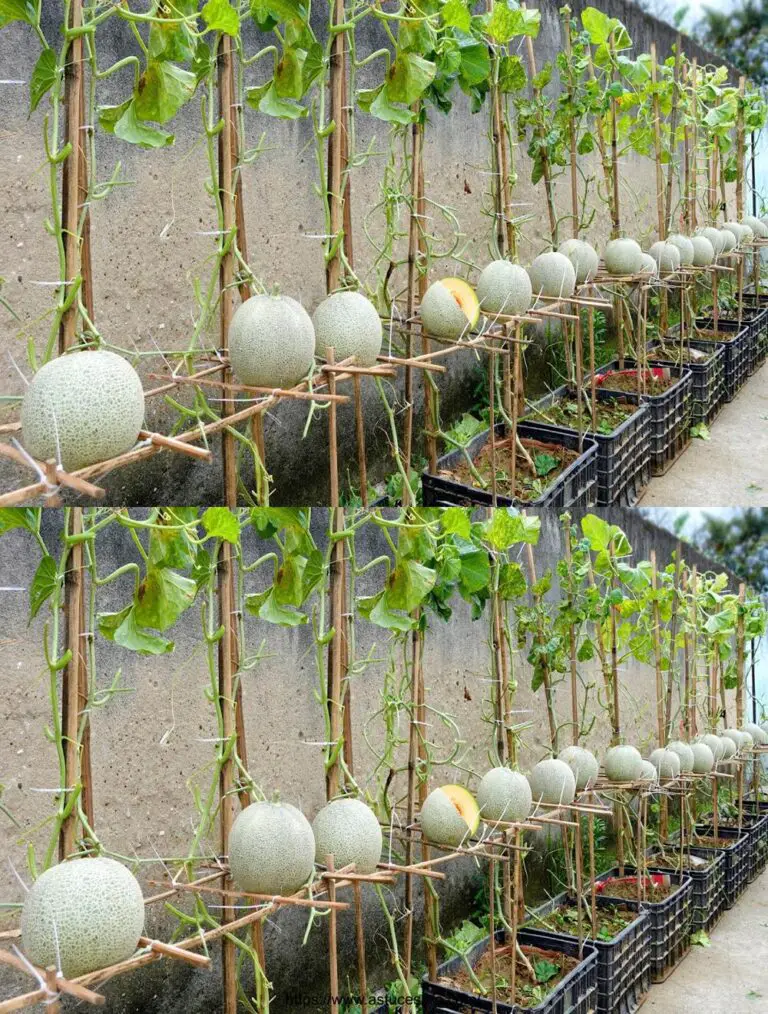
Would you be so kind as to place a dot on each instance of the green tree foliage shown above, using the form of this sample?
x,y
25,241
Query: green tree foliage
x,y
740,542
738,34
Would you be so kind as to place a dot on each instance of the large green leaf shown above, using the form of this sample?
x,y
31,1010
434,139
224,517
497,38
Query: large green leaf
x,y
221,16
18,517
123,630
266,100
163,596
409,77
475,64
18,10
43,77
505,528
456,521
221,523
123,123
507,23
43,584
409,584
163,89
475,571
456,14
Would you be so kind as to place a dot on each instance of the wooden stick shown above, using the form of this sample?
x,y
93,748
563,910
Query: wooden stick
x,y
546,169
336,144
333,442
335,675
360,433
362,980
492,932
411,794
332,943
675,149
170,950
72,176
54,1006
660,723
575,723
740,644
177,445
657,146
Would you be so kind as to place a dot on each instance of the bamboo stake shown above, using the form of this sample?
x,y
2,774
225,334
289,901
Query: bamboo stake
x,y
674,147
740,657
333,959
333,776
592,881
657,656
575,723
73,175
336,144
546,169
657,146
362,981
492,932
413,759
542,637
740,155
573,141
694,144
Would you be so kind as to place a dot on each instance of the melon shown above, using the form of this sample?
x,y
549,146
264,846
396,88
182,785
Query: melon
x,y
623,764
348,830
87,912
504,794
742,232
271,342
730,240
648,266
746,740
648,772
666,762
703,251
736,737
552,781
552,274
759,737
450,815
685,754
703,758
667,257
449,309
271,849
504,287
583,763
350,324
714,744
715,237
82,408
623,257
684,245
729,747
758,228
584,258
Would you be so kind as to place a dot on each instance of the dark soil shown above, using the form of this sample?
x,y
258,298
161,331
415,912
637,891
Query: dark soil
x,y
674,354
610,413
611,920
551,460
550,968
670,860
628,382
718,336
708,841
627,888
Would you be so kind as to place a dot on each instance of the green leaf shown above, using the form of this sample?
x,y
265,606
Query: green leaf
x,y
512,76
18,517
506,23
18,10
221,523
586,651
409,584
123,123
544,463
289,76
505,528
267,101
475,64
700,939
409,77
168,39
456,521
512,583
586,143
221,16
701,430
289,587
43,584
163,89
266,607
375,102
123,630
43,78
169,546
475,572
163,596
456,14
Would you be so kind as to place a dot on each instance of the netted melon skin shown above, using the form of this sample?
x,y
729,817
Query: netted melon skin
x,y
584,258
271,849
349,323
583,763
441,822
623,763
441,315
703,251
348,830
623,257
271,342
552,781
92,401
504,287
504,794
97,909
553,275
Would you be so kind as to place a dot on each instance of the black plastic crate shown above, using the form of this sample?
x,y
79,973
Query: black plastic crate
x,y
623,457
623,964
707,885
707,378
574,995
670,921
761,312
575,488
753,319
670,415
755,825
736,859
737,352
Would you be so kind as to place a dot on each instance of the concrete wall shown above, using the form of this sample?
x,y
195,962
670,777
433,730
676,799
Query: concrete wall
x,y
152,741
148,242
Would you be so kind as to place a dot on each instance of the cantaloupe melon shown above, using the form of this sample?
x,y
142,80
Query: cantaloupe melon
x,y
729,747
87,912
623,763
666,762
504,794
348,830
450,309
667,257
584,258
504,287
703,251
685,247
759,228
271,342
747,742
623,257
735,736
583,763
648,266
685,754
88,405
271,849
714,744
759,737
648,772
350,324
450,816
730,241
715,237
553,275
742,232
552,781
703,758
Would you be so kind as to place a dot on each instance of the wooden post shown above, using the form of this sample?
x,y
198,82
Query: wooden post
x,y
542,637
674,148
411,797
333,779
546,169
336,145
657,145
362,979
740,154
74,691
333,954
492,932
575,722
660,725
740,658
692,223
572,139
693,690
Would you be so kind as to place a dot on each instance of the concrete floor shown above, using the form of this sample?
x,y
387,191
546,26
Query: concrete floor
x,y
731,469
731,976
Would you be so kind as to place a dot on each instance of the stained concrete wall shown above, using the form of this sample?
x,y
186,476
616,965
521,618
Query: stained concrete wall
x,y
149,241
151,742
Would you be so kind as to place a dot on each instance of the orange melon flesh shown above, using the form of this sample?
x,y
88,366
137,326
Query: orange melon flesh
x,y
465,804
465,296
